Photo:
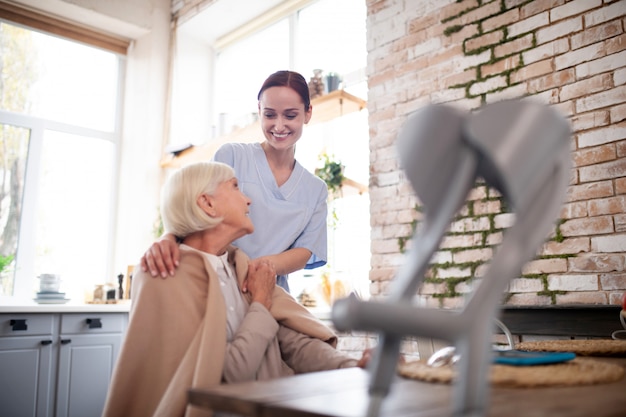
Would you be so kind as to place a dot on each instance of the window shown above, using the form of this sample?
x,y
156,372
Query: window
x,y
236,89
331,37
59,134
327,35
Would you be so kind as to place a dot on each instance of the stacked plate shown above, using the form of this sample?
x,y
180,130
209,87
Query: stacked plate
x,y
51,297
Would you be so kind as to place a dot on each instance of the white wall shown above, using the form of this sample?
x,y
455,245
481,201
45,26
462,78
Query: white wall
x,y
143,137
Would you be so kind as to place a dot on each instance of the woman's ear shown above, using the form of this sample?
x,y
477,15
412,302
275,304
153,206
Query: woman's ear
x,y
308,114
205,202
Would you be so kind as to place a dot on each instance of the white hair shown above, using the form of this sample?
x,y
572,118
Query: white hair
x,y
180,211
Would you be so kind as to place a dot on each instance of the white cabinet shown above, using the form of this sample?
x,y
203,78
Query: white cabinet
x,y
27,364
57,364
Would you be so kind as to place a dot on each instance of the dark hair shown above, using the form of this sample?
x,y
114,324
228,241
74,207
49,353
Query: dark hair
x,y
290,79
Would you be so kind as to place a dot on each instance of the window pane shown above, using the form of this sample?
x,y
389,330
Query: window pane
x,y
331,37
68,193
13,152
57,79
73,211
242,68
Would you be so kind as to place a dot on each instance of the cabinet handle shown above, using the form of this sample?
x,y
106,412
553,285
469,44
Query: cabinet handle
x,y
18,324
66,341
94,323
46,342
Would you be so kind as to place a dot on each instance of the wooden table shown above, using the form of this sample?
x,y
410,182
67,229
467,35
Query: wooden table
x,y
343,393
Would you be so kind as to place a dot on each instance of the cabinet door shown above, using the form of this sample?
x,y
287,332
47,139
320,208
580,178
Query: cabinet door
x,y
26,376
85,365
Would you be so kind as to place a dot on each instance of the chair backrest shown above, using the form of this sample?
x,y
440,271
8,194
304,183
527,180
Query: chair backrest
x,y
523,151
519,147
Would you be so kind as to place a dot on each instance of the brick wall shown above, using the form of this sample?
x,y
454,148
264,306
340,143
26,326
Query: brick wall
x,y
569,54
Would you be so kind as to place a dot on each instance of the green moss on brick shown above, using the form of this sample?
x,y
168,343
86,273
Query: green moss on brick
x,y
404,239
476,51
537,276
464,85
451,283
552,295
557,256
452,29
558,236
450,18
433,280
471,265
485,236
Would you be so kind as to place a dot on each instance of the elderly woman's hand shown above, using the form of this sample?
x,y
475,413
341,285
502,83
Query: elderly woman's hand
x,y
366,358
260,282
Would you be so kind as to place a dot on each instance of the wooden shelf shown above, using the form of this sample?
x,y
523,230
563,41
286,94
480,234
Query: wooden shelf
x,y
335,104
325,108
349,187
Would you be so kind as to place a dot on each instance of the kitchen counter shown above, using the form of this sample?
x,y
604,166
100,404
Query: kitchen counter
x,y
10,305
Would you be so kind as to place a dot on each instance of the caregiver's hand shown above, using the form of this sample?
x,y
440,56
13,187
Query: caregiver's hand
x,y
162,257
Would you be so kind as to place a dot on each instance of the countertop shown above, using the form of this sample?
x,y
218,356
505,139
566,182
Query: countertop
x,y
11,305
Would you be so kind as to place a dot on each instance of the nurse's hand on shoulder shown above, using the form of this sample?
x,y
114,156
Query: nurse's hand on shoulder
x,y
161,259
260,282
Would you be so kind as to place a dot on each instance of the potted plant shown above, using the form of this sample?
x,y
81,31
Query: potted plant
x,y
332,174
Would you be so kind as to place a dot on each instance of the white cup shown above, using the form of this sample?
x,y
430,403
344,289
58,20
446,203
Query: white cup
x,y
49,282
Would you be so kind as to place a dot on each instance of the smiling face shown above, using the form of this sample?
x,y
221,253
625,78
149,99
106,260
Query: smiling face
x,y
283,116
233,206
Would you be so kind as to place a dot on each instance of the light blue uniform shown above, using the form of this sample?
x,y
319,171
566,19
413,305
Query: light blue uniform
x,y
286,217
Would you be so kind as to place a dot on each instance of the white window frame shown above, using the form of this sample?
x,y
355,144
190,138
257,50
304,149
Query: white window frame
x,y
24,275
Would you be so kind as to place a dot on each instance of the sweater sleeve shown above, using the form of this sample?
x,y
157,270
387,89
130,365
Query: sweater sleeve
x,y
308,354
246,352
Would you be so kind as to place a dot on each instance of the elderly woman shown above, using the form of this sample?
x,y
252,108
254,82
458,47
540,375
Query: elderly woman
x,y
219,319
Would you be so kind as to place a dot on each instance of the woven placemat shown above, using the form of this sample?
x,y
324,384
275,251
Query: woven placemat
x,y
579,371
592,347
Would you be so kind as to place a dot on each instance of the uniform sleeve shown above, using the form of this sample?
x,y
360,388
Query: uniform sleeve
x,y
225,154
315,237
245,353
308,354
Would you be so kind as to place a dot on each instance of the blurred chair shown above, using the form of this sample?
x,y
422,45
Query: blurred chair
x,y
520,148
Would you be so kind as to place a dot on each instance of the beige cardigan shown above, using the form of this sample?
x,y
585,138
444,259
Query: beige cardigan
x,y
176,340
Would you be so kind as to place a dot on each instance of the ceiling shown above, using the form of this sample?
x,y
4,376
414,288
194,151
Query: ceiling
x,y
223,16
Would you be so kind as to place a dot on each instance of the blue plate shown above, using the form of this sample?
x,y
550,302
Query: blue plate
x,y
528,358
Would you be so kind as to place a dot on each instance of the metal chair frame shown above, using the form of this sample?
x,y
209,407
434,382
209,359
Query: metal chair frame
x,y
519,147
